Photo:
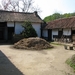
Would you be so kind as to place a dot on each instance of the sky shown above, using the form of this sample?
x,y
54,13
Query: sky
x,y
48,7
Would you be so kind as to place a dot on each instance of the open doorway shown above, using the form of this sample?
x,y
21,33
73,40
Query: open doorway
x,y
10,32
1,34
60,34
73,32
2,30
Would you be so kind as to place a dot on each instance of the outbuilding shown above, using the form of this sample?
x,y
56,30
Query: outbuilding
x,y
60,30
10,23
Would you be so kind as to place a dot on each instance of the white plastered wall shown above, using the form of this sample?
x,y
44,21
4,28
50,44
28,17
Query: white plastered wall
x,y
66,31
37,27
18,27
54,32
10,24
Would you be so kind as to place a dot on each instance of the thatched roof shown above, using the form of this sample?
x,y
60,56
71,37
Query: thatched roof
x,y
61,23
7,16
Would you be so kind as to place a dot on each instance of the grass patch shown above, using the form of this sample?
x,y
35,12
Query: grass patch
x,y
69,62
50,48
56,43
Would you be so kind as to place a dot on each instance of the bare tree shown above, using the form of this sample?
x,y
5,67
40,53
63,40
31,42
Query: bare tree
x,y
26,5
19,5
11,5
36,8
5,4
14,5
0,7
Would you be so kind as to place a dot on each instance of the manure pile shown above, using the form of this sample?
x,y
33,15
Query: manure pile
x,y
32,44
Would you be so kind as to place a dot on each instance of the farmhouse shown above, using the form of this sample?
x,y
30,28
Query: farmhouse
x,y
10,23
60,29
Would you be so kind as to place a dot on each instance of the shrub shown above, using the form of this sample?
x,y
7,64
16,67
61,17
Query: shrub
x,y
71,62
28,31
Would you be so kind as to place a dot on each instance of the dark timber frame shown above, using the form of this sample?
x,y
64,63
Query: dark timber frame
x,y
6,32
3,29
49,34
60,33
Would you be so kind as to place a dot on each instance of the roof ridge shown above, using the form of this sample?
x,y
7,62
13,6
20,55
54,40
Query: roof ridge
x,y
19,16
61,23
62,19
16,12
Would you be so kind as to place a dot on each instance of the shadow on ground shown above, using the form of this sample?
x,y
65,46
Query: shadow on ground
x,y
7,67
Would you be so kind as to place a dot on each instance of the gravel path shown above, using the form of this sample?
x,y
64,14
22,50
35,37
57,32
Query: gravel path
x,y
27,62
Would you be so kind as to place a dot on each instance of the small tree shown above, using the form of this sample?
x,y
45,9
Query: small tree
x,y
28,31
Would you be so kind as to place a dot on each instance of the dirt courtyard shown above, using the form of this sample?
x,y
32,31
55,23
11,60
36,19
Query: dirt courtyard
x,y
27,62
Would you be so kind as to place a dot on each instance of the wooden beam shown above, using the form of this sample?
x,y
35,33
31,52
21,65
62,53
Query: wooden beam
x,y
14,27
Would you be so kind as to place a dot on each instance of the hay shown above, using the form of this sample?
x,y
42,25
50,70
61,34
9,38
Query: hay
x,y
32,44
